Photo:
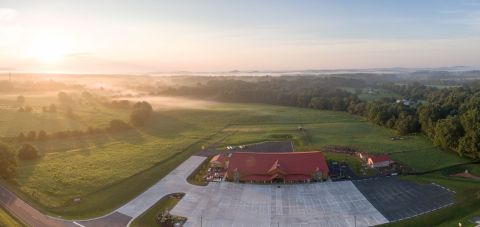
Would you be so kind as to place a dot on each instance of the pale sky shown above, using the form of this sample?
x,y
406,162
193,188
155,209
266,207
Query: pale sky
x,y
141,36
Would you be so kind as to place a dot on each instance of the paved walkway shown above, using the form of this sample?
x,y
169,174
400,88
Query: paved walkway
x,y
175,181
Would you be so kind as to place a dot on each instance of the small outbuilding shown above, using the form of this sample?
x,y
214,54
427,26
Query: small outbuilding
x,y
379,161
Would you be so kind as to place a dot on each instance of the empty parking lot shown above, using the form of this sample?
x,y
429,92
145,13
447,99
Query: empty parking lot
x,y
398,199
318,204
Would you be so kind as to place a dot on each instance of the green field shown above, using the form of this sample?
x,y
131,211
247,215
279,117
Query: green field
x,y
6,220
104,171
415,151
92,114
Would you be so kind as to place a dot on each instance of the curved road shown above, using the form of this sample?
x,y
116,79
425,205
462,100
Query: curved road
x,y
173,182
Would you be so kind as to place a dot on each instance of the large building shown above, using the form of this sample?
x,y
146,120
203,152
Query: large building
x,y
277,167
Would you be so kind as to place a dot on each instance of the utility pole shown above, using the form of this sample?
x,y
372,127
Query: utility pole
x,y
355,220
201,221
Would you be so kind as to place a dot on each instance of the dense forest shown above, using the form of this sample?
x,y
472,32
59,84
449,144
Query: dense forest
x,y
449,116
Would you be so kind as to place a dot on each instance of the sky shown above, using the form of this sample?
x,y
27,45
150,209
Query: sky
x,y
145,36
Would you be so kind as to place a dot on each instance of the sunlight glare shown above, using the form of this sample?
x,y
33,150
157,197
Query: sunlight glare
x,y
49,49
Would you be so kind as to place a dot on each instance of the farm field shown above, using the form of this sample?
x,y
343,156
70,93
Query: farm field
x,y
12,122
75,175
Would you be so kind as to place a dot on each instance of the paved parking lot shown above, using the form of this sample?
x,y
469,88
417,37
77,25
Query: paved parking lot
x,y
317,204
397,199
270,146
343,203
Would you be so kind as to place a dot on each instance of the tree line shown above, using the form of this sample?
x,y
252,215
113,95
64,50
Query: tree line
x,y
450,117
140,113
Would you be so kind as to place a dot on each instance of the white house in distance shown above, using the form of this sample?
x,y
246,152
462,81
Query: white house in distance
x,y
379,161
404,102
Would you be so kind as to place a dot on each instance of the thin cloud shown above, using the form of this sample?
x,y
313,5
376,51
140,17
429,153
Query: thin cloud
x,y
7,14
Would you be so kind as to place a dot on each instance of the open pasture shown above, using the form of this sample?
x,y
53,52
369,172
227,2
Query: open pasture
x,y
86,113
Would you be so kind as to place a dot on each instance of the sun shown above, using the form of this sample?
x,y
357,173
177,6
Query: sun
x,y
48,49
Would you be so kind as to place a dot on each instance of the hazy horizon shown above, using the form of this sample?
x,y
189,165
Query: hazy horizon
x,y
214,36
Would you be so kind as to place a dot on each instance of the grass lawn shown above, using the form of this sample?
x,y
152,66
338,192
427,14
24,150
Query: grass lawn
x,y
197,177
147,219
467,201
105,171
415,151
7,220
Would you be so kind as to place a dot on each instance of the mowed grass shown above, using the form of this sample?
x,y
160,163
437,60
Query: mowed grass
x,y
6,220
417,152
106,171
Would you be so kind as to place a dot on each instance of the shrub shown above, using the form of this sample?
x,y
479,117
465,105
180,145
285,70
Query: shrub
x,y
92,130
28,152
70,113
8,164
31,136
42,135
52,108
21,137
20,100
64,98
117,125
140,114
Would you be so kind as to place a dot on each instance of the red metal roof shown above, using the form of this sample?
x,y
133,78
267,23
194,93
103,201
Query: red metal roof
x,y
380,158
264,166
219,158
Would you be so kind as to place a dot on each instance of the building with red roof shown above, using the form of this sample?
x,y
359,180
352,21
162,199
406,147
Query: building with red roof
x,y
277,167
379,161
219,161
